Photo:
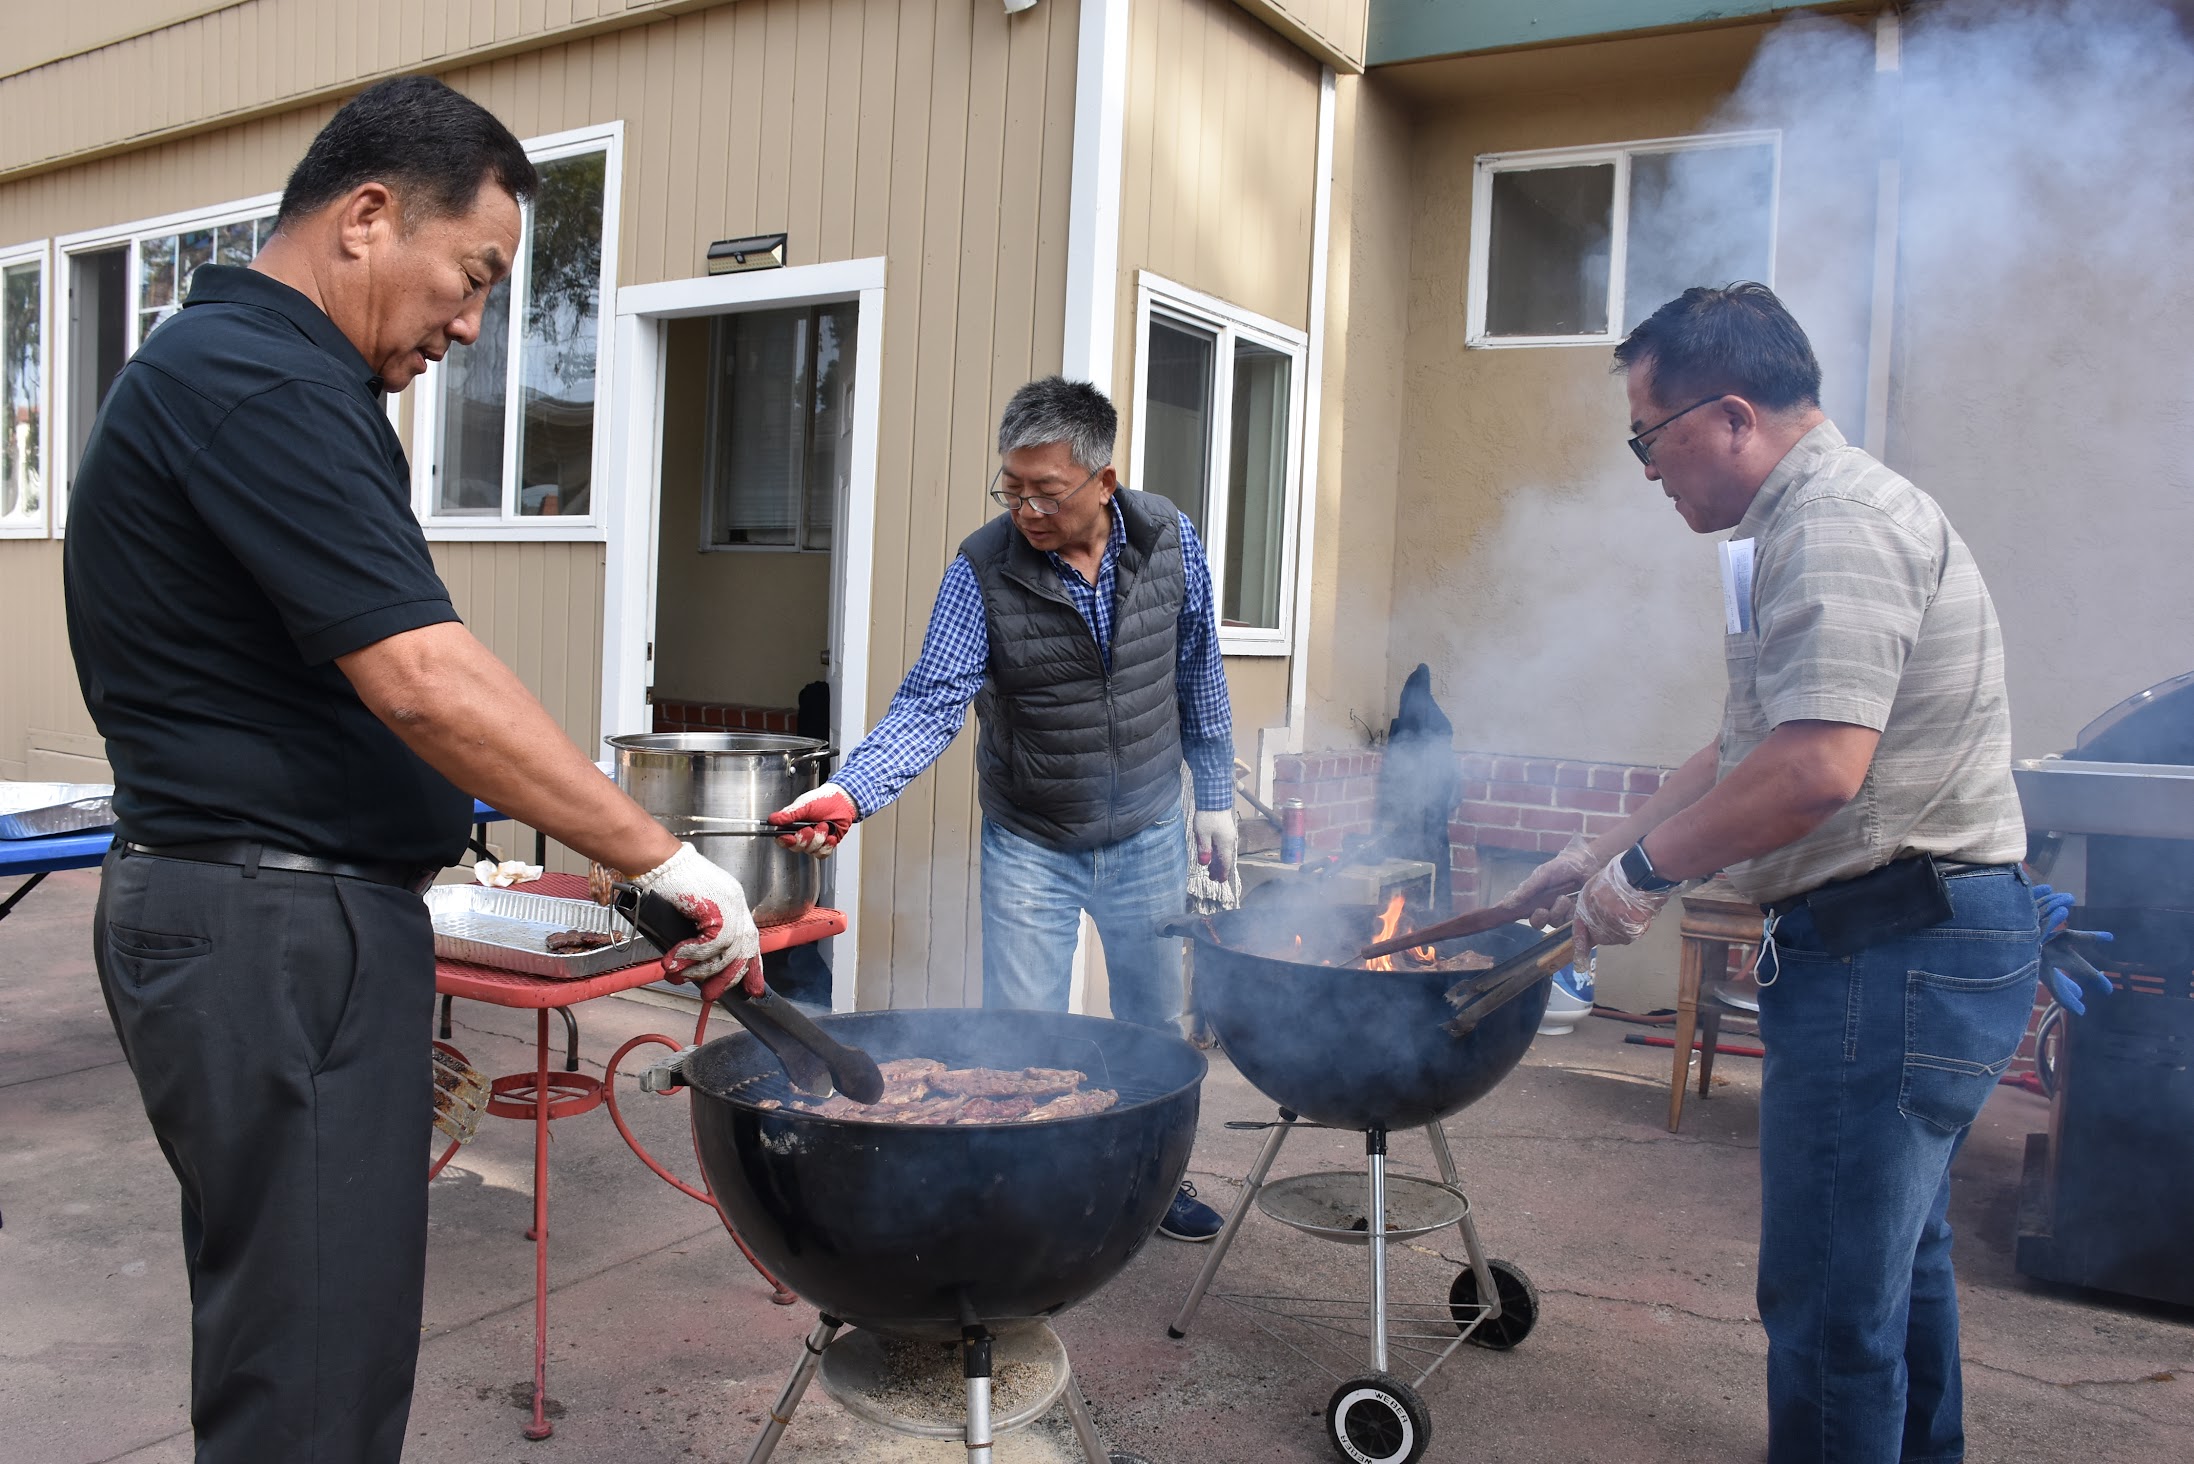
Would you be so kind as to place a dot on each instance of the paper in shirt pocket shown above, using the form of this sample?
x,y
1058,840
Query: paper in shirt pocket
x,y
1736,558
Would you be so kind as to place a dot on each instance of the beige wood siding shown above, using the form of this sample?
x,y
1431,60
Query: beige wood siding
x,y
237,61
1217,192
45,732
1331,30
37,34
934,133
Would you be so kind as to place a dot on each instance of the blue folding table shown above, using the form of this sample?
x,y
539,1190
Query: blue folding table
x,y
38,858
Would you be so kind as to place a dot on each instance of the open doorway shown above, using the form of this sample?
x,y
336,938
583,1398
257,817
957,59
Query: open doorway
x,y
739,567
758,413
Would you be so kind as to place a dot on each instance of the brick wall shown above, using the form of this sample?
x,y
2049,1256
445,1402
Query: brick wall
x,y
1532,805
723,717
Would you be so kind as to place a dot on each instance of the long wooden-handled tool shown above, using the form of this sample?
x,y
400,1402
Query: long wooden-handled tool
x,y
1476,922
814,1061
1484,992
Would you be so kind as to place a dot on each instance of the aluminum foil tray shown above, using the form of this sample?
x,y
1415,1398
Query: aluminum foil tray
x,y
509,930
34,810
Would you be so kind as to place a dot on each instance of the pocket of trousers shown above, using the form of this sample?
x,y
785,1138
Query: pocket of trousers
x,y
154,946
320,965
1960,1035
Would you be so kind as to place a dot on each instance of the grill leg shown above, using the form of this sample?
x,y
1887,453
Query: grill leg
x,y
1375,1224
1489,1290
1250,1187
1085,1428
975,1366
811,1358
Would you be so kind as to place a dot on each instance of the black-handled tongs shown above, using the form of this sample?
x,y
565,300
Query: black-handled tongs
x,y
815,1061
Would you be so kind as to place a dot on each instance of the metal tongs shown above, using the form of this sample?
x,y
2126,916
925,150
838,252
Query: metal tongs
x,y
814,1061
1483,992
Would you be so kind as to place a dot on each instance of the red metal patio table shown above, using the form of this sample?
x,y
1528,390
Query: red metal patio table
x,y
543,1096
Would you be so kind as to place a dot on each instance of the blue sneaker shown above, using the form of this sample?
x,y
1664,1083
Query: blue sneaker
x,y
1189,1218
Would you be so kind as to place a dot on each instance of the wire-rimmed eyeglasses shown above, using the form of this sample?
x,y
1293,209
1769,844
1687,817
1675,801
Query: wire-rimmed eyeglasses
x,y
1042,504
1639,445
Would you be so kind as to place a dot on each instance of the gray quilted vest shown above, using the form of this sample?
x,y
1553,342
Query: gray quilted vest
x,y
1068,755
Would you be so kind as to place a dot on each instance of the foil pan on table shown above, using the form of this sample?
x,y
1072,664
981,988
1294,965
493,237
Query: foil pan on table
x,y
35,810
509,930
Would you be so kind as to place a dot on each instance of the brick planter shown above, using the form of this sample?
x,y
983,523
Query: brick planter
x,y
681,716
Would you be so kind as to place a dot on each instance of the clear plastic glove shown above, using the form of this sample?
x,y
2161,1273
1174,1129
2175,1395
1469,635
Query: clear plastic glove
x,y
830,808
1218,840
2065,965
1610,910
1564,874
714,901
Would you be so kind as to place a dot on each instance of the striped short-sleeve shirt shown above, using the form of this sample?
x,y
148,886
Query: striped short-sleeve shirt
x,y
1867,609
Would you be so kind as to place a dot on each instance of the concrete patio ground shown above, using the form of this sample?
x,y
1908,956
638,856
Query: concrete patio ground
x,y
664,1347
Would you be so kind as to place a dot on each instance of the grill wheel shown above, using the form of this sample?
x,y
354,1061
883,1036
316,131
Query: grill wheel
x,y
1378,1419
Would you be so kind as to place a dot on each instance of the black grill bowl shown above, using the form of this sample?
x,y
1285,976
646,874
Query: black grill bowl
x,y
1352,1048
916,1230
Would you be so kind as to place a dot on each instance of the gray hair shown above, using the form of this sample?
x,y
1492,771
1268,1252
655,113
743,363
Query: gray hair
x,y
1055,409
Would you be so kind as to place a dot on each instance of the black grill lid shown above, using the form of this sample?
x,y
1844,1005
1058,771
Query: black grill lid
x,y
2152,726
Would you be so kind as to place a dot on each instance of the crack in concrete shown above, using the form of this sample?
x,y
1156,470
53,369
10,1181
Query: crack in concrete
x,y
133,1449
1743,1321
2166,1375
70,1073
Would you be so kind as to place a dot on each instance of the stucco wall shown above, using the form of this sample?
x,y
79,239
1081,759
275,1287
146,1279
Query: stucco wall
x,y
1564,608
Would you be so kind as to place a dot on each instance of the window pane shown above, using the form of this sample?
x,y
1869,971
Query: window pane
x,y
191,250
1256,487
1177,417
468,461
155,272
1547,260
759,387
830,425
232,243
563,318
1698,216
98,325
22,470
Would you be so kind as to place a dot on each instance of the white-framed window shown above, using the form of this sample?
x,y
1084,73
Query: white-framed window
x,y
1575,246
507,438
779,449
1218,429
116,286
24,350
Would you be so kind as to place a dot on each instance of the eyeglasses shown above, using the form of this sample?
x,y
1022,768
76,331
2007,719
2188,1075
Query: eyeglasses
x,y
1043,505
1638,443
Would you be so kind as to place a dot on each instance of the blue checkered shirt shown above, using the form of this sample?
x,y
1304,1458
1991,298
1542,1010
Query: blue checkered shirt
x,y
931,705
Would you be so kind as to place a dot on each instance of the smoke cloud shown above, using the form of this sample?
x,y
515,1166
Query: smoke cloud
x,y
2039,379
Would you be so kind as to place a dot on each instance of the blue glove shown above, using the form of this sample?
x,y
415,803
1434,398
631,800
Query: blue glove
x,y
2064,966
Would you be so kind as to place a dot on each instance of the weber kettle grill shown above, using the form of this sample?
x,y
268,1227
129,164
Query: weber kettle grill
x,y
2107,1199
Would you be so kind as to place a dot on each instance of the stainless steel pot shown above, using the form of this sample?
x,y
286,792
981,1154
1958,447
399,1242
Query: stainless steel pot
x,y
701,784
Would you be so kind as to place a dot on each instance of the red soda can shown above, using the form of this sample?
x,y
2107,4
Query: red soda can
x,y
1293,818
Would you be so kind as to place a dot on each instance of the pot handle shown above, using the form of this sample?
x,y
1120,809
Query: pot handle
x,y
667,1075
820,754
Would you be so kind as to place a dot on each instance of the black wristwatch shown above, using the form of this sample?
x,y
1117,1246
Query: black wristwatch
x,y
1638,869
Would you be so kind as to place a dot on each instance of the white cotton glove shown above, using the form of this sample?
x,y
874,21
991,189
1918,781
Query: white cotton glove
x,y
1218,840
1564,874
830,808
1610,910
713,900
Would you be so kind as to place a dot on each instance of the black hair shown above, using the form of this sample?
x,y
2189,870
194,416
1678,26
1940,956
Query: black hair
x,y
1054,409
1738,340
431,145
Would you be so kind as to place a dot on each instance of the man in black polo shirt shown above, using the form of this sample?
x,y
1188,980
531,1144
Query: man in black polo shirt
x,y
296,718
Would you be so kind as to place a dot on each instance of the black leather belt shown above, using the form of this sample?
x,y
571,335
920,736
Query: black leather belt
x,y
252,857
1949,871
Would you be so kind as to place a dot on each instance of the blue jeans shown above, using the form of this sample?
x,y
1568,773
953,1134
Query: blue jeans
x,y
1033,899
1876,1065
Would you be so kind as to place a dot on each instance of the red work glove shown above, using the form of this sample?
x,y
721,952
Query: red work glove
x,y
713,900
830,808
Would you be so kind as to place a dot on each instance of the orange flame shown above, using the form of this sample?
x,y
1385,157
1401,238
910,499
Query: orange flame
x,y
1390,922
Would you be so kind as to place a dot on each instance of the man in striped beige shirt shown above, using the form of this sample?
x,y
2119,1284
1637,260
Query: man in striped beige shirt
x,y
1860,789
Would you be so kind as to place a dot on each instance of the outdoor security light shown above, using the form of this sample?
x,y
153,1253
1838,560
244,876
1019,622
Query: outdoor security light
x,y
760,251
1015,7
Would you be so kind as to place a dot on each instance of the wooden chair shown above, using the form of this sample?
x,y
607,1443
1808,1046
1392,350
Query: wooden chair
x,y
1715,920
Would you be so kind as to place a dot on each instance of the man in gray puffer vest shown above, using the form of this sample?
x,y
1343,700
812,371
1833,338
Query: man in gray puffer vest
x,y
1080,624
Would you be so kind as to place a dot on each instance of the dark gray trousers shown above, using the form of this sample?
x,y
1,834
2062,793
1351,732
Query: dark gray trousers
x,y
278,1027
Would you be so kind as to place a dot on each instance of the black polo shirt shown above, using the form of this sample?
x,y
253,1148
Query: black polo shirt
x,y
242,516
